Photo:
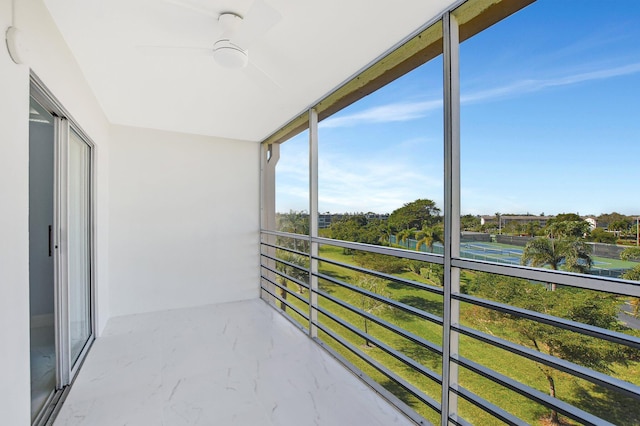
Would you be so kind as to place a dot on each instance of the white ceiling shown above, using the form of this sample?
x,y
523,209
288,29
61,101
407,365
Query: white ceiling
x,y
313,47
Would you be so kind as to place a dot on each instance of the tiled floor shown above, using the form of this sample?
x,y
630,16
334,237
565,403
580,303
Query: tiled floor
x,y
232,364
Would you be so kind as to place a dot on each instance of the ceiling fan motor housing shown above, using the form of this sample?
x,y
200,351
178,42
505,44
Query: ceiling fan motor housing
x,y
229,55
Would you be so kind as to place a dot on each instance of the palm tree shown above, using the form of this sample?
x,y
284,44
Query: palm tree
x,y
404,235
294,222
542,251
385,234
429,235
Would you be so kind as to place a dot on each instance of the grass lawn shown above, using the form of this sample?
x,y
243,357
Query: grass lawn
x,y
584,395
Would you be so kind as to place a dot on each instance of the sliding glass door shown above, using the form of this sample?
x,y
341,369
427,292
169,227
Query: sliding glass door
x,y
60,239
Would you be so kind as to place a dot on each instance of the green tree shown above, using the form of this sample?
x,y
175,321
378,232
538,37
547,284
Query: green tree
x,y
385,232
294,222
632,254
414,215
607,218
567,228
404,235
370,305
633,275
514,228
429,235
565,217
358,228
599,235
573,252
469,222
584,306
532,228
296,267
621,225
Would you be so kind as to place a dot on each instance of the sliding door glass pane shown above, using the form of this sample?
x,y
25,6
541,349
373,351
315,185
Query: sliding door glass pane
x,y
41,270
79,245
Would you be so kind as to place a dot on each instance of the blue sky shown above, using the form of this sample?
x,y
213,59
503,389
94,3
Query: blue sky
x,y
550,123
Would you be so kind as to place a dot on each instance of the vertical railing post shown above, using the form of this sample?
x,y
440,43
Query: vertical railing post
x,y
450,339
269,156
313,222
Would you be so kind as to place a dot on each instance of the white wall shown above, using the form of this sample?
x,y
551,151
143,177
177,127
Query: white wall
x,y
53,63
184,222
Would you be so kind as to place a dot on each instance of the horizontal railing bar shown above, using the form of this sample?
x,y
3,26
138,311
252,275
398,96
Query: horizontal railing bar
x,y
304,237
293,265
488,407
585,281
578,327
389,374
291,292
403,306
390,251
377,387
532,394
285,276
285,315
382,275
286,302
389,326
397,355
576,370
288,249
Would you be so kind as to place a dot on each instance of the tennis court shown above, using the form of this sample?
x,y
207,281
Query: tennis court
x,y
491,252
507,254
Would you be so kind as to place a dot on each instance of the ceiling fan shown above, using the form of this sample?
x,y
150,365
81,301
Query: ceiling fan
x,y
238,31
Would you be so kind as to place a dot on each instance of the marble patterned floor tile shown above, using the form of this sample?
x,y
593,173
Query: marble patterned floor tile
x,y
238,363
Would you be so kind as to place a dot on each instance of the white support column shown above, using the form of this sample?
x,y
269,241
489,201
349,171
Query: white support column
x,y
450,339
269,156
313,222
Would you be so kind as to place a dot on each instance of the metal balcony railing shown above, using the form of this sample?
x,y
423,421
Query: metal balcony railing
x,y
389,329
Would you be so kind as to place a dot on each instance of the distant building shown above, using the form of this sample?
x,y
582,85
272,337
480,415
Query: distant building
x,y
523,219
325,219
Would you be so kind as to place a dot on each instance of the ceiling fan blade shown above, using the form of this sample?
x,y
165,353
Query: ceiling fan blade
x,y
193,7
259,19
174,51
259,75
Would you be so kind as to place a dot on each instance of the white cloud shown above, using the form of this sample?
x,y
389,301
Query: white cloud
x,y
411,110
394,112
534,85
349,185
387,181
